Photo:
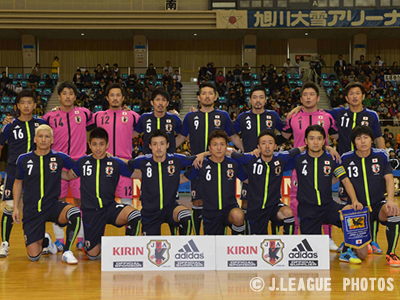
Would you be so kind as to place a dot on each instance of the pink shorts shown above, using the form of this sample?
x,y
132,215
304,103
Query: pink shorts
x,y
124,187
75,186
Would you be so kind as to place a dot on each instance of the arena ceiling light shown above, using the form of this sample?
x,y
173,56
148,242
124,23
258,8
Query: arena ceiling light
x,y
82,33
195,34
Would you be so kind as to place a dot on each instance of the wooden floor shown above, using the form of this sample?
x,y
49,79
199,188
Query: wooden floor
x,y
51,279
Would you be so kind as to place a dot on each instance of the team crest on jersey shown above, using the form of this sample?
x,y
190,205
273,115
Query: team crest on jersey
x,y
53,166
278,170
124,119
158,251
327,170
78,119
7,193
168,127
268,123
217,123
365,123
109,171
321,123
171,169
272,251
376,168
230,173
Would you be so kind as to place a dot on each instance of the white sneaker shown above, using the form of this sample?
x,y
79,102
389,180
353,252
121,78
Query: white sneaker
x,y
4,248
45,251
332,245
52,248
69,258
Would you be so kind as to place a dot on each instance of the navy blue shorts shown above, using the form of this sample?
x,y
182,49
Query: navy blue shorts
x,y
152,221
216,221
376,208
95,221
35,228
312,217
9,179
258,220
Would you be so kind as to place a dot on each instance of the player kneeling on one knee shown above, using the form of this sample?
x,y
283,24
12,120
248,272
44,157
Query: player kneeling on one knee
x,y
99,179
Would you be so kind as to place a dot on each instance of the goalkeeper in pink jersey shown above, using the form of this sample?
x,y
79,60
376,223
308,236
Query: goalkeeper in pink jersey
x,y
119,125
297,125
69,124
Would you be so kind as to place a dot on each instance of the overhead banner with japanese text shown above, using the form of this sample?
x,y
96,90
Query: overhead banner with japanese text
x,y
356,18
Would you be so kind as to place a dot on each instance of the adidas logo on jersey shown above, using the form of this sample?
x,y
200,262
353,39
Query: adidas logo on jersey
x,y
305,162
87,162
303,250
16,127
259,160
345,115
148,121
352,163
208,167
248,118
189,251
148,164
196,117
30,161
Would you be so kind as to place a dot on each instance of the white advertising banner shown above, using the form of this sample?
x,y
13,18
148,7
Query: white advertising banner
x,y
272,252
127,253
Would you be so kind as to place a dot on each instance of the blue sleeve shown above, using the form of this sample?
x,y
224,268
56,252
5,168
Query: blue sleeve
x,y
185,127
76,169
334,112
139,127
42,121
185,160
228,126
4,135
135,163
241,174
191,174
279,124
68,161
241,158
178,124
377,127
20,172
236,125
124,169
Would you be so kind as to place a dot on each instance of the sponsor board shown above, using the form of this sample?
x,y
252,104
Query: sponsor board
x,y
125,253
265,252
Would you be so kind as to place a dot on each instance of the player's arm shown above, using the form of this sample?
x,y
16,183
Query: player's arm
x,y
68,175
334,154
180,139
1,148
198,162
137,174
135,134
294,111
190,174
17,191
341,174
391,207
237,142
380,142
241,158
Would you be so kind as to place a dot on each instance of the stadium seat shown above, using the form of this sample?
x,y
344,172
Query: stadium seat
x,y
222,99
267,91
332,76
11,76
324,76
54,76
35,116
248,99
27,75
13,100
124,76
212,81
24,83
296,76
5,99
254,76
45,99
329,91
44,75
142,76
136,108
2,108
289,75
246,83
41,83
9,108
97,108
47,92
40,91
327,83
131,90
92,76
15,82
159,82
96,83
255,82
20,76
299,83
159,76
151,82
247,91
84,90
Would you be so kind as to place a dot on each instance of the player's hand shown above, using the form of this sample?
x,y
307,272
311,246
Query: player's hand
x,y
334,154
392,208
126,108
193,109
8,120
256,152
57,108
294,112
108,154
356,205
198,162
15,215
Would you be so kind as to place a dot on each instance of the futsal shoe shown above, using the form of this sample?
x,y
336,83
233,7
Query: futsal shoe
x,y
350,257
392,260
69,258
375,248
52,248
79,245
369,249
4,248
338,250
332,245
59,245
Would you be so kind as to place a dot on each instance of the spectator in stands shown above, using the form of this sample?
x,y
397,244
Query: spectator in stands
x,y
233,116
340,63
379,86
175,91
116,70
351,76
102,85
387,135
151,72
288,66
367,83
55,66
368,101
167,86
78,79
146,106
229,79
244,108
382,111
271,70
98,72
37,70
388,147
121,83
394,113
237,73
233,109
132,79
221,89
246,72
39,107
34,91
10,89
107,79
33,78
362,77
146,93
115,78
18,88
110,72
220,78
166,77
4,80
87,79
177,76
232,100
148,84
395,69
379,60
345,81
263,70
241,96
168,67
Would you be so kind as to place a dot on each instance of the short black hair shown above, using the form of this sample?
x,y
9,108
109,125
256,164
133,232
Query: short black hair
x,y
98,133
162,92
264,133
354,84
218,134
26,93
157,133
69,85
360,130
386,129
318,128
115,86
258,87
309,85
208,84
